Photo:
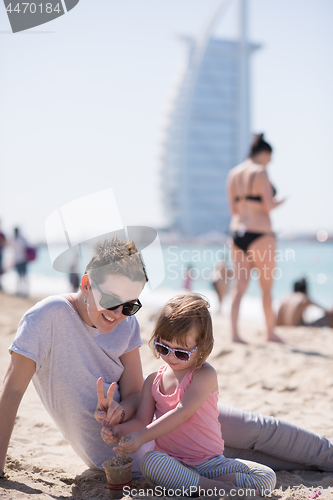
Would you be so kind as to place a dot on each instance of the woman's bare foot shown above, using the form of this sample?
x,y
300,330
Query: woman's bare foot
x,y
272,337
236,338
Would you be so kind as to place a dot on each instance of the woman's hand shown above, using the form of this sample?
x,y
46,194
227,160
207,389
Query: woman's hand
x,y
108,411
278,199
133,443
109,435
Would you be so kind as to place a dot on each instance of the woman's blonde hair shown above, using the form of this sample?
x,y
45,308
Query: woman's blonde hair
x,y
178,316
116,257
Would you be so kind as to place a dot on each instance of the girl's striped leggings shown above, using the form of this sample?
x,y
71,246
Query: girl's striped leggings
x,y
168,472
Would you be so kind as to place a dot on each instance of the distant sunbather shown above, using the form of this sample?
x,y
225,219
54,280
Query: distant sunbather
x,y
295,308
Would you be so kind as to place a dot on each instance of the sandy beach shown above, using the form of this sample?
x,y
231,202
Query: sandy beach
x,y
291,381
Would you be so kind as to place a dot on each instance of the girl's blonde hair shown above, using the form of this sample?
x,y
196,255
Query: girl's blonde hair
x,y
178,316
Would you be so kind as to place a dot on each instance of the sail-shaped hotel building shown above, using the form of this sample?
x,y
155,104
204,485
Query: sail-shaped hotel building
x,y
207,131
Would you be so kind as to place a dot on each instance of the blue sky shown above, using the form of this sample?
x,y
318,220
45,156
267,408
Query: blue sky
x,y
83,100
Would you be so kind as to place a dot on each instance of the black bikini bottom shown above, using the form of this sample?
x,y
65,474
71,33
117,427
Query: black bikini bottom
x,y
244,240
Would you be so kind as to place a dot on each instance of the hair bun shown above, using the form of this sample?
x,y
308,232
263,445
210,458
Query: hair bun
x,y
257,138
259,144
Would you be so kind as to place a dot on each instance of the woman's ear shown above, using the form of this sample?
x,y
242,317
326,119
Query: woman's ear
x,y
85,284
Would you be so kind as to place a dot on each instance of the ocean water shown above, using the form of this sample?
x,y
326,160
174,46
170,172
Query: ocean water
x,y
294,259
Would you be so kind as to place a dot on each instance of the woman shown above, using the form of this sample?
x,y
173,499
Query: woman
x,y
68,342
251,198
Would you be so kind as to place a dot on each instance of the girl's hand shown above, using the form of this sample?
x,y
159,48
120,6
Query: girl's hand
x,y
108,411
133,443
110,434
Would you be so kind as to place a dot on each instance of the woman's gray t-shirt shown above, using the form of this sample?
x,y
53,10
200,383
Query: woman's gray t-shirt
x,y
70,356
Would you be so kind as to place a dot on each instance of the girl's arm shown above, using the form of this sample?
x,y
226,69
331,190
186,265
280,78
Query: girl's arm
x,y
204,382
144,416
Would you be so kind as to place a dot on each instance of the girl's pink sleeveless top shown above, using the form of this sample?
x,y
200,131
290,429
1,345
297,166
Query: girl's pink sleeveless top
x,y
199,438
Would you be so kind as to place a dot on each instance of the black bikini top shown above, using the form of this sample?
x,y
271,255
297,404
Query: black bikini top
x,y
250,197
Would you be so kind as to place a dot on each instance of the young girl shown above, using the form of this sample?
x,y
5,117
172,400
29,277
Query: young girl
x,y
183,395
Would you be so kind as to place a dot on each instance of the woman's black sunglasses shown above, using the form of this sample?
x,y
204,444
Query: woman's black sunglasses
x,y
165,350
109,302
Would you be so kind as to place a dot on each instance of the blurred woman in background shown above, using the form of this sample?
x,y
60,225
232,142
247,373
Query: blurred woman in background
x,y
251,198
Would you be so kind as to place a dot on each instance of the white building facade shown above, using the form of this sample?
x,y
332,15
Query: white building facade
x,y
207,133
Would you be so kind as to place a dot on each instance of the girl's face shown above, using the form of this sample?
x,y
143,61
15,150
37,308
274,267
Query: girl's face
x,y
122,289
176,364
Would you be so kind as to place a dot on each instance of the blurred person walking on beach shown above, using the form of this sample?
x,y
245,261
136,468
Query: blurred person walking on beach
x,y
220,282
2,247
188,278
70,343
293,308
251,198
20,262
74,277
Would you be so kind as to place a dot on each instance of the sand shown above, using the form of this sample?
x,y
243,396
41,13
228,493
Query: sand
x,y
292,381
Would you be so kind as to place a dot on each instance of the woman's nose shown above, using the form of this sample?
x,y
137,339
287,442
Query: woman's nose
x,y
116,313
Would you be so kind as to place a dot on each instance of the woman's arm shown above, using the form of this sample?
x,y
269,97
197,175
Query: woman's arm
x,y
16,381
130,385
204,382
144,416
231,196
269,202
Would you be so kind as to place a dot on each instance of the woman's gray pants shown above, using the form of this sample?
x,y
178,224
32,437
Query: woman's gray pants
x,y
273,442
